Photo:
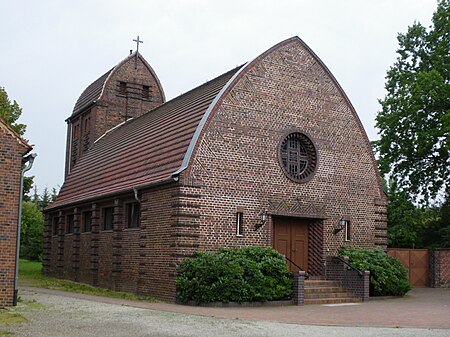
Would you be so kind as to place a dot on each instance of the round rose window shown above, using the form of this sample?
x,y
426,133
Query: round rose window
x,y
298,157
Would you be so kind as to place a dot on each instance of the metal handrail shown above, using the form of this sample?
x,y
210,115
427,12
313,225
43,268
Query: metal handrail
x,y
296,265
360,273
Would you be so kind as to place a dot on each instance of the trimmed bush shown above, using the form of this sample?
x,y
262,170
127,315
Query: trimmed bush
x,y
245,274
388,277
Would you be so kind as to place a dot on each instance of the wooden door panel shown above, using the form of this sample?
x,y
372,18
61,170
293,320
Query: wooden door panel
x,y
417,263
291,240
300,244
418,268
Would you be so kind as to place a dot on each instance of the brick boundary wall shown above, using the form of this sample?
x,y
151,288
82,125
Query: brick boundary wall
x,y
351,280
440,268
299,288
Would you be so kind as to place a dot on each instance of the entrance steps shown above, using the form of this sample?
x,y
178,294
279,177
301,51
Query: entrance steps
x,y
319,291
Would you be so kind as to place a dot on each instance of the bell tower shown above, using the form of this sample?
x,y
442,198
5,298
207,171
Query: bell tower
x,y
128,90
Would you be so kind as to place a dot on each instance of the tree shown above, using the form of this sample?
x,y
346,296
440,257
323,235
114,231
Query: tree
x,y
31,232
10,112
414,121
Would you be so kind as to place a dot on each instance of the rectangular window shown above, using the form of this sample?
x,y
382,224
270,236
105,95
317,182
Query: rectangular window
x,y
87,221
108,217
123,88
70,223
76,131
145,91
239,224
87,125
133,215
55,225
347,231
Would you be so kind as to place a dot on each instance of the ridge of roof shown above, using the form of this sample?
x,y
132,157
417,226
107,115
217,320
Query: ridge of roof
x,y
15,135
91,93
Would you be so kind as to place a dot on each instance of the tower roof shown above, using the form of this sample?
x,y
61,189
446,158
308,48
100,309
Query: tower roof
x,y
91,93
143,151
95,90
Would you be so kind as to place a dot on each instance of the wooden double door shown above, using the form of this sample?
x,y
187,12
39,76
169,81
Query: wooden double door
x,y
417,261
291,239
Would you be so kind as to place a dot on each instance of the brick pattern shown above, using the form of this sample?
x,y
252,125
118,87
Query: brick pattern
x,y
299,288
136,260
12,149
351,280
440,268
236,159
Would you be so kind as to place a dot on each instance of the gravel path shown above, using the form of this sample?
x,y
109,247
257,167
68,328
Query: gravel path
x,y
54,316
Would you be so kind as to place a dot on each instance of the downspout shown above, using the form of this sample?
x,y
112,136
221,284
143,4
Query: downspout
x,y
136,195
27,160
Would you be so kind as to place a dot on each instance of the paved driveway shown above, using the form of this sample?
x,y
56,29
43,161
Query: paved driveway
x,y
425,312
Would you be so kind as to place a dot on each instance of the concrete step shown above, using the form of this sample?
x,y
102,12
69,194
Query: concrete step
x,y
319,291
329,295
323,289
331,300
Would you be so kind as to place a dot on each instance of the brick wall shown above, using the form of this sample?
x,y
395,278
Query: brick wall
x,y
136,260
440,268
236,163
356,282
12,149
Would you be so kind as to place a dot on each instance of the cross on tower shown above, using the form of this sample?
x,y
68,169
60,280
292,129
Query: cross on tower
x,y
137,50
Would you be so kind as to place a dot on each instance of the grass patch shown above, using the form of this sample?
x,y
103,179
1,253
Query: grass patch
x,y
7,317
6,333
30,275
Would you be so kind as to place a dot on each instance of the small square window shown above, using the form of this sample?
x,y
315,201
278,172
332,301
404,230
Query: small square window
x,y
145,91
239,224
123,88
87,221
347,230
70,224
133,215
108,218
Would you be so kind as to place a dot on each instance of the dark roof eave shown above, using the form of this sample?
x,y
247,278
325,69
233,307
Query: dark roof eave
x,y
80,111
49,208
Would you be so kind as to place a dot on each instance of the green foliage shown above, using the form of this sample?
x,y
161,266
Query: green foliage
x,y
10,112
388,277
31,232
234,275
410,226
414,121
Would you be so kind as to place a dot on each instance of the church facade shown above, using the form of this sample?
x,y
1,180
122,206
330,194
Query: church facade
x,y
271,153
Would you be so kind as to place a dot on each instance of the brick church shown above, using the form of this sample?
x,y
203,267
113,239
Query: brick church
x,y
270,153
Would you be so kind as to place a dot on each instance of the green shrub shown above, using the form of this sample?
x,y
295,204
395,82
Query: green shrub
x,y
388,277
234,275
31,232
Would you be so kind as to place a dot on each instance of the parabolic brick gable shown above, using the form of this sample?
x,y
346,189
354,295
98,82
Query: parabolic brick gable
x,y
276,137
12,150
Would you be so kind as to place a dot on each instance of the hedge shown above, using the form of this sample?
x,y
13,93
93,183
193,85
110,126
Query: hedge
x,y
244,274
388,277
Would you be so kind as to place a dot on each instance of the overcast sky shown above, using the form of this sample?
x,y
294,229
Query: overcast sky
x,y
52,50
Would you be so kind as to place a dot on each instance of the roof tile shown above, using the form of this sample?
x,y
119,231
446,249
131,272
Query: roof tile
x,y
142,151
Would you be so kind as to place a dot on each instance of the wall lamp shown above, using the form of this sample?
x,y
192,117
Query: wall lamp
x,y
340,225
263,217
